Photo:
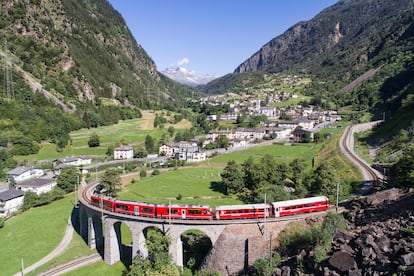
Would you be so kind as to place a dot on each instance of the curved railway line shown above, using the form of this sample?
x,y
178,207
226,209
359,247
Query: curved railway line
x,y
371,176
84,198
64,268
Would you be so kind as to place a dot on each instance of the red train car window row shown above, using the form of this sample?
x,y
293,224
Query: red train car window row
x,y
147,210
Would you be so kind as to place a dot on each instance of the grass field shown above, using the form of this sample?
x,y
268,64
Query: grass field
x,y
33,234
131,132
193,184
282,153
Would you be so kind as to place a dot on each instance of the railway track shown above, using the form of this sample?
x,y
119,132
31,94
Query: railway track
x,y
84,198
371,176
64,268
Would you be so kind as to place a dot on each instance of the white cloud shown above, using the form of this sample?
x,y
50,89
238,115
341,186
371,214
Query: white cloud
x,y
183,61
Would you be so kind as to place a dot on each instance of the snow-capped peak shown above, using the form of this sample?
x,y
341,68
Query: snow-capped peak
x,y
185,76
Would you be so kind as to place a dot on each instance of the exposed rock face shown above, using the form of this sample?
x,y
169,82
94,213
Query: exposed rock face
x,y
379,240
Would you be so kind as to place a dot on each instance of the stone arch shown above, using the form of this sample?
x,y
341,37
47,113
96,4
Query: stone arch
x,y
196,245
96,235
124,236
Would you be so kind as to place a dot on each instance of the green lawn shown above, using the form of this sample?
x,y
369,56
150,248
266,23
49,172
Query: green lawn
x,y
281,152
77,248
99,268
192,183
33,234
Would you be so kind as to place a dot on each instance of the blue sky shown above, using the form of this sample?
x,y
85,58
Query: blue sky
x,y
211,36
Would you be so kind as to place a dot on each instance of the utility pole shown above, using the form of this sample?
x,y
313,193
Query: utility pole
x,y
22,267
337,195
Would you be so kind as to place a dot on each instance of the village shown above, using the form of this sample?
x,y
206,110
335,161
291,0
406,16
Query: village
x,y
290,125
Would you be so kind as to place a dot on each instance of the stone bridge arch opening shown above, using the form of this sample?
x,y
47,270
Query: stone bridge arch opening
x,y
196,246
124,237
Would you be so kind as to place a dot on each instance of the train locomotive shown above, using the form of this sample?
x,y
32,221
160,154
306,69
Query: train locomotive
x,y
205,212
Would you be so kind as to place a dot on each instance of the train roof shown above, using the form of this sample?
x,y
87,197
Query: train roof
x,y
300,201
242,206
183,206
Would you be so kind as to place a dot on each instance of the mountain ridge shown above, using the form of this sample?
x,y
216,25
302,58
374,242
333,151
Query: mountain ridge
x,y
185,76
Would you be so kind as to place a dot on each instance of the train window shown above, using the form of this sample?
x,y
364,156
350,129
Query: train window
x,y
172,211
194,212
107,203
246,211
261,210
123,207
147,209
95,200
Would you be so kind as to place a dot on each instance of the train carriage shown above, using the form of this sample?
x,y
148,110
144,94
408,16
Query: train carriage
x,y
297,206
246,211
135,208
176,211
106,203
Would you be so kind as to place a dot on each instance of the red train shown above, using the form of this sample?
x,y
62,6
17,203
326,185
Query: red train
x,y
244,211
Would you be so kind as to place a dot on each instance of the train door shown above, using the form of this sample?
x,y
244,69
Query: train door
x,y
183,214
136,210
277,211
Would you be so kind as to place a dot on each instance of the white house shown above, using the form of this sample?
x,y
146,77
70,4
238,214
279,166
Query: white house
x,y
123,152
72,161
10,202
38,186
268,111
167,150
196,156
20,174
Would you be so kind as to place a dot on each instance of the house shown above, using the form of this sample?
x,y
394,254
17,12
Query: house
x,y
10,202
196,156
214,134
71,161
250,133
123,152
299,134
61,163
38,185
20,174
268,111
237,143
167,150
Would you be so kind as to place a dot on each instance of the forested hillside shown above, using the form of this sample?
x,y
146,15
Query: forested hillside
x,y
72,64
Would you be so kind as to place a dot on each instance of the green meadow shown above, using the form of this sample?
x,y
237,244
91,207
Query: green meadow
x,y
191,185
282,153
33,234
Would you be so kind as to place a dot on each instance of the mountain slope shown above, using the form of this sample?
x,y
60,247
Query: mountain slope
x,y
70,64
81,51
344,37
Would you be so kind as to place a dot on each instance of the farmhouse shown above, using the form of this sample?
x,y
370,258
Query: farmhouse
x,y
20,174
124,152
71,161
10,202
37,186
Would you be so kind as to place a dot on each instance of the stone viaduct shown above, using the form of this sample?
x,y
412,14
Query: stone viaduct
x,y
102,230
240,241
